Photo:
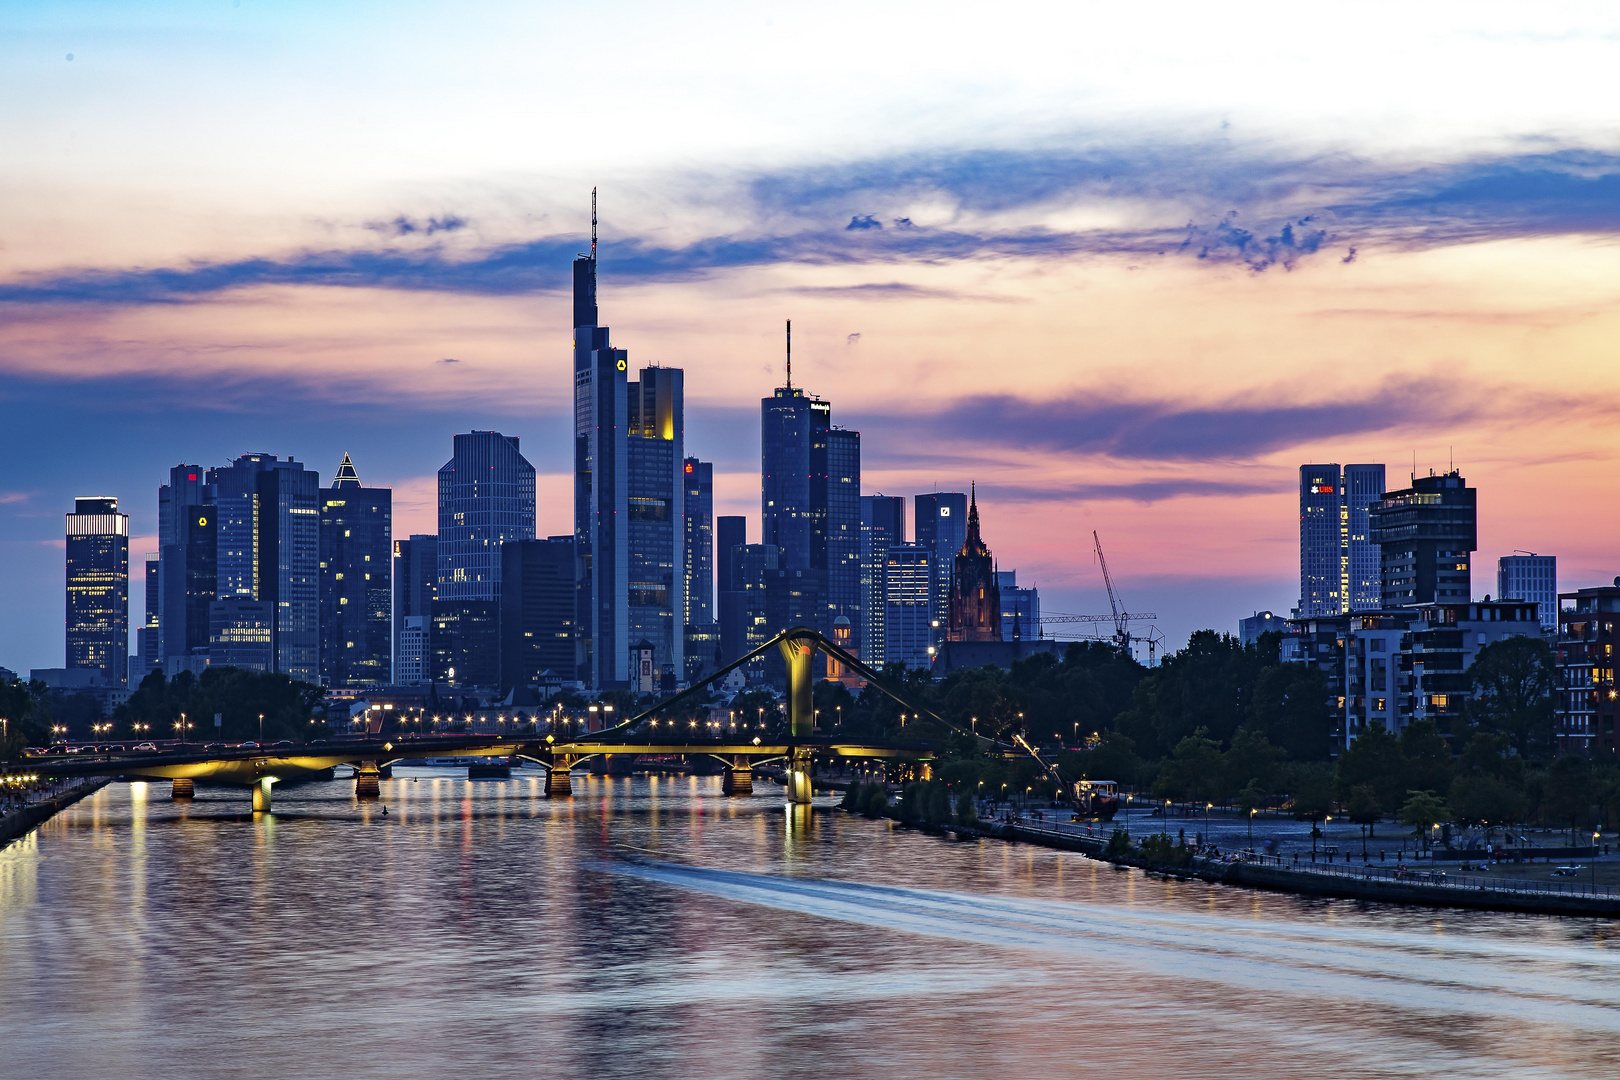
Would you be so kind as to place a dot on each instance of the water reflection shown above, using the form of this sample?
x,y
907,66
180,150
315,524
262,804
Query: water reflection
x,y
649,927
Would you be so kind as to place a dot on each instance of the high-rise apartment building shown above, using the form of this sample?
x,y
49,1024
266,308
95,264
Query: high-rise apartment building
x,y
1339,564
268,550
356,587
411,651
1530,577
1426,536
883,524
98,588
699,482
416,586
941,523
629,498
486,498
537,611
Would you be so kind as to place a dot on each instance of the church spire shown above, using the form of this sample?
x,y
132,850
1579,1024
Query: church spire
x,y
973,543
346,476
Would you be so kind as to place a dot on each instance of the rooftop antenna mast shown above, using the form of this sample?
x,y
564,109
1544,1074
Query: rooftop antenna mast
x,y
593,224
790,354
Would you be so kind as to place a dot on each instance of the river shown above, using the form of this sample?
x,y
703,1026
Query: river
x,y
650,928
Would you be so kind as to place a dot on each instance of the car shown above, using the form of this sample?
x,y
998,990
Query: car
x,y
115,748
247,746
152,747
1567,871
317,742
282,742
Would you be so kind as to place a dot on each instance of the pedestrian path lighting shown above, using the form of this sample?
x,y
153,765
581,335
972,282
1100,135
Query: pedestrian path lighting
x,y
1252,811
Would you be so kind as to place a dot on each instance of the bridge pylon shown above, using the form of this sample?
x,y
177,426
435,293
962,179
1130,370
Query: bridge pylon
x,y
738,779
799,647
182,788
261,794
366,779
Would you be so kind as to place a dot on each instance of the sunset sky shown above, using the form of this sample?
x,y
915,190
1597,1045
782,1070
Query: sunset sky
x,y
1124,267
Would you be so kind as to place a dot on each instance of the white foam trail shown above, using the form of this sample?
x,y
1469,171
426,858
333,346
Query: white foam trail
x,y
1559,985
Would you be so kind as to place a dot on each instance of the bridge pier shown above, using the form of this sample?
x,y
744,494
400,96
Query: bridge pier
x,y
738,779
261,795
559,782
182,788
365,781
798,776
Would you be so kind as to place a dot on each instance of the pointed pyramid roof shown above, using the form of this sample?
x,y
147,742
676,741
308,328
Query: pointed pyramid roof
x,y
346,476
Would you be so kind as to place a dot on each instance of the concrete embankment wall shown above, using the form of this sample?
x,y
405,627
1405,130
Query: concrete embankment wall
x,y
18,822
1307,883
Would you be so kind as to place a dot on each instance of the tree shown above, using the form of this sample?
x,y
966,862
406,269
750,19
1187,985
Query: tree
x,y
1374,759
1481,799
1363,806
1423,811
27,717
1513,681
1194,771
1312,784
1428,757
1569,792
1291,709
1251,759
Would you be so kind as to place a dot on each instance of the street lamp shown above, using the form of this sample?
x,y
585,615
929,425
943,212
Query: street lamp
x,y
1252,812
261,728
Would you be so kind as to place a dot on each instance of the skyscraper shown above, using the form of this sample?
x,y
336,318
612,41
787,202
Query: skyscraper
x,y
730,533
629,498
190,584
486,498
416,586
810,486
1339,565
1530,577
1426,535
974,610
699,482
843,528
148,635
268,550
537,611
187,487
941,523
356,588
753,570
1363,487
656,503
911,574
98,588
883,523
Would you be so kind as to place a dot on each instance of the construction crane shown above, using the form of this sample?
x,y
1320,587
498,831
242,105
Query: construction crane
x,y
1123,638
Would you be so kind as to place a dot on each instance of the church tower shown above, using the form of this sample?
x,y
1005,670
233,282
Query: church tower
x,y
975,601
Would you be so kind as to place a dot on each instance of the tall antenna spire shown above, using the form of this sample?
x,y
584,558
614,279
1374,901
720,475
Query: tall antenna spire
x,y
790,354
593,224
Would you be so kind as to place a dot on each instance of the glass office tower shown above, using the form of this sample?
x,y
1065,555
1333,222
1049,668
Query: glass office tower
x,y
98,588
356,588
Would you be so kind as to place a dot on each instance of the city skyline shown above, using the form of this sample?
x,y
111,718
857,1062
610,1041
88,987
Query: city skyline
x,y
982,294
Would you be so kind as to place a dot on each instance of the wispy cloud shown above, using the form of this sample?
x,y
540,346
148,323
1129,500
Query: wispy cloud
x,y
1240,430
1215,203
